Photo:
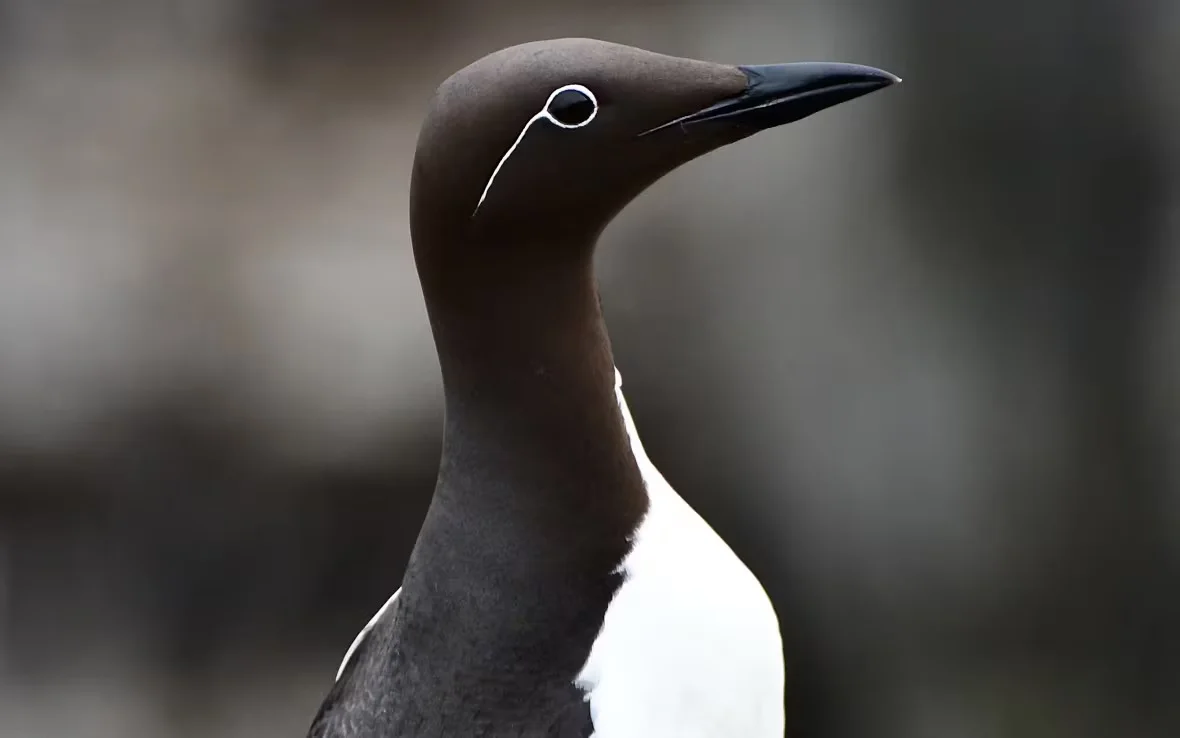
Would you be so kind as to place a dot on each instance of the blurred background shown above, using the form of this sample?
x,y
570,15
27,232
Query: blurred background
x,y
917,358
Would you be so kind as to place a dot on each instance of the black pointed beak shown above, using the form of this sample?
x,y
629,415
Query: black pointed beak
x,y
777,94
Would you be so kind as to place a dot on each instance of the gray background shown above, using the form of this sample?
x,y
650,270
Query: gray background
x,y
916,358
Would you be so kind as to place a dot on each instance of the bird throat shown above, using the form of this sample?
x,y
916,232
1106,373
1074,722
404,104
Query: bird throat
x,y
534,440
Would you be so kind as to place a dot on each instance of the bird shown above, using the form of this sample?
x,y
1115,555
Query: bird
x,y
559,587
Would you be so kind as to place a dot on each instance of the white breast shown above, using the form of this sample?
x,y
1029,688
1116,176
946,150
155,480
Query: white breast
x,y
690,647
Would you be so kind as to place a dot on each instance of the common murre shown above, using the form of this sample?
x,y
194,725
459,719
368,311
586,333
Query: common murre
x,y
559,586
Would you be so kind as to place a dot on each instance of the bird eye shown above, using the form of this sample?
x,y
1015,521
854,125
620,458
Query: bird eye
x,y
572,107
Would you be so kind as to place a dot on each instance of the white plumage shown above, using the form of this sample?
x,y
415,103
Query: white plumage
x,y
690,647
360,637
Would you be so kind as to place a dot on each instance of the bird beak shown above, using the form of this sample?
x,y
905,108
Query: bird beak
x,y
777,94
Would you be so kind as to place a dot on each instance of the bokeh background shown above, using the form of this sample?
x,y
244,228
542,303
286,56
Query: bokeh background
x,y
917,358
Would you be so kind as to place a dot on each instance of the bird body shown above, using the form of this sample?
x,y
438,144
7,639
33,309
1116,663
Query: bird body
x,y
689,645
559,586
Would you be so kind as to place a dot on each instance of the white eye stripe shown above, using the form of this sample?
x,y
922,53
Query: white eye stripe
x,y
539,116
544,114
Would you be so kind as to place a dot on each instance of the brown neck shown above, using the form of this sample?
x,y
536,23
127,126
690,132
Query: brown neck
x,y
532,424
538,495
504,326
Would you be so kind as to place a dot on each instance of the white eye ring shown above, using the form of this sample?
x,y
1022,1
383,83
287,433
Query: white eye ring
x,y
543,115
570,88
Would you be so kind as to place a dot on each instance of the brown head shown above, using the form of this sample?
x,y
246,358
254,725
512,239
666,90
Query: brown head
x,y
526,155
547,141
